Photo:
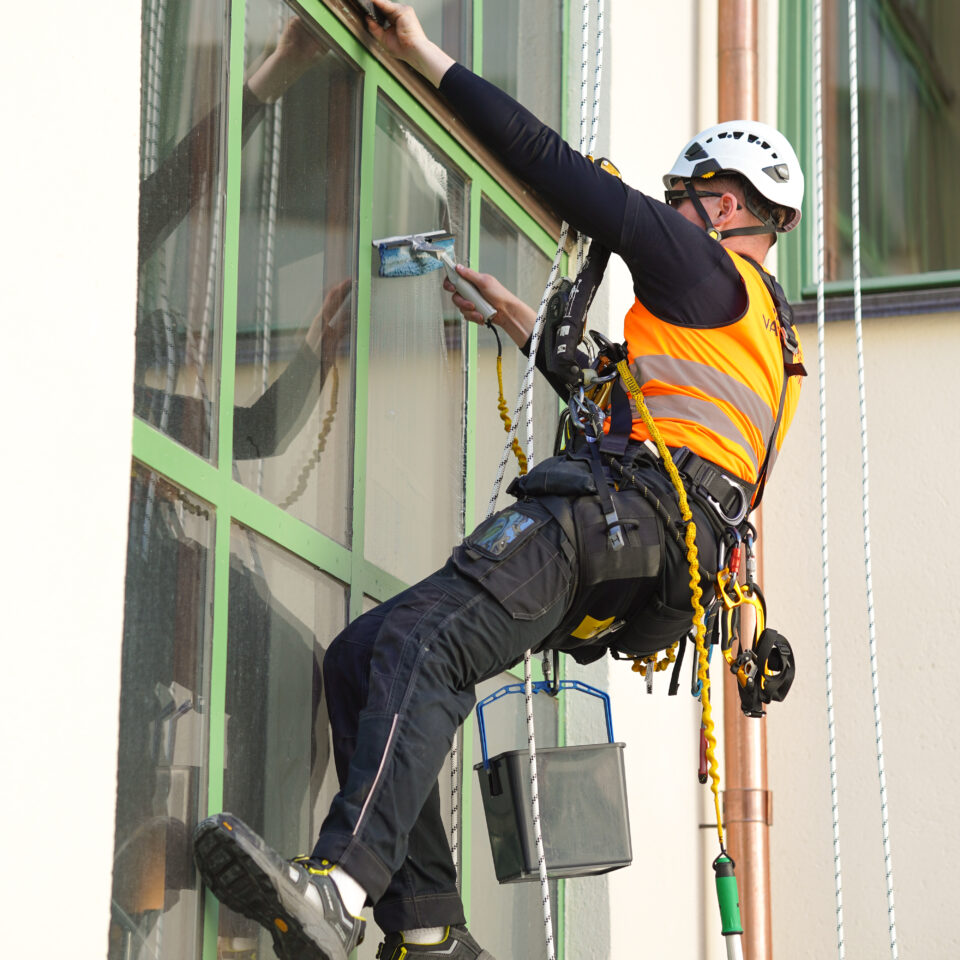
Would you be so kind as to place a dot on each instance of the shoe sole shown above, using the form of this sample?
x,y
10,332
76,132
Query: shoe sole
x,y
247,876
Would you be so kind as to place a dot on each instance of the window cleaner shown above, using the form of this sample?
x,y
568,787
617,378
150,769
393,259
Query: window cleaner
x,y
419,253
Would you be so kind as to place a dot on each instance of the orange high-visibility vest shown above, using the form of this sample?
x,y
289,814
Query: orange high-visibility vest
x,y
715,390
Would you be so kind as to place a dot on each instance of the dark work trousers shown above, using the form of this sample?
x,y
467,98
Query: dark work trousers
x,y
399,683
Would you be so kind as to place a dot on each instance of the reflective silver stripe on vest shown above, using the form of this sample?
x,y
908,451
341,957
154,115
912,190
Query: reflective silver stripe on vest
x,y
714,383
709,415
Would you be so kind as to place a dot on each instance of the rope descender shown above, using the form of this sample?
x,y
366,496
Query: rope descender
x,y
766,669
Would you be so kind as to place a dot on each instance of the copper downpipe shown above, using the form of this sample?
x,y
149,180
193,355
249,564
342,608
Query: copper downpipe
x,y
747,801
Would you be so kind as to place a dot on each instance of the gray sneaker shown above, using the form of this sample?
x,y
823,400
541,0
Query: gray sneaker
x,y
295,900
457,944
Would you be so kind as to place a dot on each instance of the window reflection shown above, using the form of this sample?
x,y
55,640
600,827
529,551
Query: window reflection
x,y
416,378
293,430
163,725
449,24
909,76
522,53
521,267
278,774
178,295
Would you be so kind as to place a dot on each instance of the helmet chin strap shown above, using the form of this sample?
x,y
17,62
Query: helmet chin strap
x,y
712,231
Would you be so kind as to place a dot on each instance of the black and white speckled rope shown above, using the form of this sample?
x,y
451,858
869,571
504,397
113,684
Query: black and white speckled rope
x,y
824,552
525,402
858,318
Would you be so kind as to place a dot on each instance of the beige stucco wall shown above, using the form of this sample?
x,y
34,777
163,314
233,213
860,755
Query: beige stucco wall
x,y
912,397
69,250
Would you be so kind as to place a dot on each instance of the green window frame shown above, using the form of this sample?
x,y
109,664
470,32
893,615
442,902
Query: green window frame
x,y
213,482
797,258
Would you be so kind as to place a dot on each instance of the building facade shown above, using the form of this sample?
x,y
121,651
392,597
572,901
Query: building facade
x,y
282,438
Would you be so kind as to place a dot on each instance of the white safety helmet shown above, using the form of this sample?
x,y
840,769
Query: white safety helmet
x,y
758,152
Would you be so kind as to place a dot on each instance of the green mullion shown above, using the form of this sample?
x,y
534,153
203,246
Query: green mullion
x,y
916,281
166,456
376,582
228,340
368,137
469,520
276,524
157,451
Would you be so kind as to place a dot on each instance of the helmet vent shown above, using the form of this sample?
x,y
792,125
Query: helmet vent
x,y
695,152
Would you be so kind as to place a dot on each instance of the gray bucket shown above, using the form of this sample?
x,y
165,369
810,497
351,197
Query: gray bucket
x,y
583,803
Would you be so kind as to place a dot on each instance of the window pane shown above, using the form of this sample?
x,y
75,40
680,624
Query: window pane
x,y
909,76
416,378
161,777
449,23
181,220
507,918
521,267
293,415
279,776
522,52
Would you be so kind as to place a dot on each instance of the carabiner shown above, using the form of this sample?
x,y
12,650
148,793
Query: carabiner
x,y
586,414
742,510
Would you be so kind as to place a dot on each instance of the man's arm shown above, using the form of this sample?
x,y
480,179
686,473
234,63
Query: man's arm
x,y
669,258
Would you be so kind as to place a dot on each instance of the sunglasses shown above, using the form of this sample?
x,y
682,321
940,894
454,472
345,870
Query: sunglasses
x,y
675,197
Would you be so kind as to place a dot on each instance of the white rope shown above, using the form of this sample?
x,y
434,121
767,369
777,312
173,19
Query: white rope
x,y
857,309
525,404
821,354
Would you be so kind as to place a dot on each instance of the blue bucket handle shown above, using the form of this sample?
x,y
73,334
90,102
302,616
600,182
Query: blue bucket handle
x,y
540,686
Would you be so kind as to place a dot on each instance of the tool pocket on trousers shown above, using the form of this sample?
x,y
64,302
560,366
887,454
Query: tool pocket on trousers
x,y
509,557
654,627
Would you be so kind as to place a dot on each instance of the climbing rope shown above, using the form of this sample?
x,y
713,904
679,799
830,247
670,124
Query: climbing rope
x,y
865,473
824,551
868,570
525,403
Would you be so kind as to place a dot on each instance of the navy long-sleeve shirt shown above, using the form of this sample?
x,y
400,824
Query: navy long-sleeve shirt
x,y
679,273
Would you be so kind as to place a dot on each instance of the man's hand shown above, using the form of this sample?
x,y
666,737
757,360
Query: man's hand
x,y
513,315
332,322
404,38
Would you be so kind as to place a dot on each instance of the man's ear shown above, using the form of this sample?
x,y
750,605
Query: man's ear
x,y
729,205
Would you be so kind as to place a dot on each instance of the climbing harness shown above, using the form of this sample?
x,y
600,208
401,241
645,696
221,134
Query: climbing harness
x,y
599,398
857,297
